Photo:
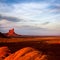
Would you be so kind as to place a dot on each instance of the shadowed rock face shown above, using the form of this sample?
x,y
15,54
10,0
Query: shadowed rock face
x,y
4,52
27,53
2,35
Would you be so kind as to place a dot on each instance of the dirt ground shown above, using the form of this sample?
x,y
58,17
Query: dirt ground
x,y
48,45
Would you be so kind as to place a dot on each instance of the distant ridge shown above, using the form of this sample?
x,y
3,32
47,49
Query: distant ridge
x,y
2,35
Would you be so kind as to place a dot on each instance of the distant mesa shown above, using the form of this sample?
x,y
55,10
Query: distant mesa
x,y
11,33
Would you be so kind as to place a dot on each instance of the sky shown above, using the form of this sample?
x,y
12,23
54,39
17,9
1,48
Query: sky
x,y
30,17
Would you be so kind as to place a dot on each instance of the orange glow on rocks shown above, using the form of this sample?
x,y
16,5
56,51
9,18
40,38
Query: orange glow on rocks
x,y
4,52
27,53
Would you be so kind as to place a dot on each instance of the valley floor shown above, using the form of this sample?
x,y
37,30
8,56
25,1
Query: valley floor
x,y
50,46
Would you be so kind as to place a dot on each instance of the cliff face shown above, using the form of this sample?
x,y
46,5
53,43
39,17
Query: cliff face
x,y
11,33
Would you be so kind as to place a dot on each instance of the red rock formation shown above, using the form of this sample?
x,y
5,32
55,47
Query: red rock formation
x,y
11,33
4,52
27,53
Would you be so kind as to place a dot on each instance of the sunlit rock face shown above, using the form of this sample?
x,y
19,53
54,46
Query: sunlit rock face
x,y
11,32
27,53
4,52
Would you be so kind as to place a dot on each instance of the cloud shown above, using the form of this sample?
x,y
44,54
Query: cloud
x,y
13,19
27,11
55,7
37,13
53,26
5,7
30,11
45,23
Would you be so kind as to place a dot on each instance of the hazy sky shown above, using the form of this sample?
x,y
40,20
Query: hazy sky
x,y
32,17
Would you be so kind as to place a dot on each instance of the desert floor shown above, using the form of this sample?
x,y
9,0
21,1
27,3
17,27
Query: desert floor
x,y
48,45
